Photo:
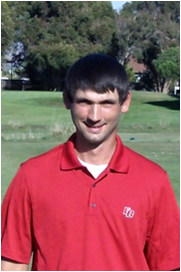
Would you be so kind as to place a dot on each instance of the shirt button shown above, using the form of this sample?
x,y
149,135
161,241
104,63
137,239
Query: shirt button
x,y
93,205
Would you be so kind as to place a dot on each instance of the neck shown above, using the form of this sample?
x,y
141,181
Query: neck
x,y
96,154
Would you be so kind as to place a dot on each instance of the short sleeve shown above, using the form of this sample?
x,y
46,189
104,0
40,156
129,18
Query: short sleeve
x,y
16,221
163,245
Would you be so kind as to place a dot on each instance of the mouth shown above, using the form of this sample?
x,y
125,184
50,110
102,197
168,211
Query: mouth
x,y
94,128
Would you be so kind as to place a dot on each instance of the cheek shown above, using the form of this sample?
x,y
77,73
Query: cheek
x,y
78,113
112,114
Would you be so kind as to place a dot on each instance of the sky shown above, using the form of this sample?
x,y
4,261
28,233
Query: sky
x,y
118,4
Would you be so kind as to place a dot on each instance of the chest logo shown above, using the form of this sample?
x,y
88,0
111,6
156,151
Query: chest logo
x,y
128,212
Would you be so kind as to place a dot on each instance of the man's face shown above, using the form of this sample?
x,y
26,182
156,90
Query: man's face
x,y
95,115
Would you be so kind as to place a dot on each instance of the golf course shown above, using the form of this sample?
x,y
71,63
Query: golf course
x,y
32,122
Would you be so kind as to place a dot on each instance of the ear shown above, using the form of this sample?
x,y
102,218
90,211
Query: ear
x,y
66,101
126,104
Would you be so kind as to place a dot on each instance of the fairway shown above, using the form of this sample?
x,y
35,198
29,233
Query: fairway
x,y
34,122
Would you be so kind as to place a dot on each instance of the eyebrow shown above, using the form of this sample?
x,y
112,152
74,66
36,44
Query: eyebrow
x,y
86,100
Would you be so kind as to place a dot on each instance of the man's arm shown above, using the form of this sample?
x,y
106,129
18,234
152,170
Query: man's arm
x,y
10,265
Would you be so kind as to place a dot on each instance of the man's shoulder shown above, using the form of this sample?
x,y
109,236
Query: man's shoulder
x,y
152,176
48,156
141,162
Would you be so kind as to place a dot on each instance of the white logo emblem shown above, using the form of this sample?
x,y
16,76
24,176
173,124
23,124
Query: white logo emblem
x,y
128,212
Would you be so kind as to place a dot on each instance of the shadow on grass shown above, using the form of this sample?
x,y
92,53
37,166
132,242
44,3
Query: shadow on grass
x,y
172,105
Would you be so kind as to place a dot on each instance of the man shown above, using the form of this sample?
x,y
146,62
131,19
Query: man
x,y
91,204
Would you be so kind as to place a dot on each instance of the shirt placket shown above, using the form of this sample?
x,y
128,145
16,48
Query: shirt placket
x,y
93,201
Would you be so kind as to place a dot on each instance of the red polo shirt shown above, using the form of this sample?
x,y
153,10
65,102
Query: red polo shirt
x,y
126,219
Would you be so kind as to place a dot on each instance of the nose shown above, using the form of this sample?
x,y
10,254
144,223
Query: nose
x,y
94,113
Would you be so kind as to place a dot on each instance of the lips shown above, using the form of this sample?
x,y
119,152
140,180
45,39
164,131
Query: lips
x,y
94,125
94,128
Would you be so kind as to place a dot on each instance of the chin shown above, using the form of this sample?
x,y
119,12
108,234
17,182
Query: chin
x,y
94,139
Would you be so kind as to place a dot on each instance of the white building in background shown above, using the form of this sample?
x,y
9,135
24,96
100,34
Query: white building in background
x,y
177,89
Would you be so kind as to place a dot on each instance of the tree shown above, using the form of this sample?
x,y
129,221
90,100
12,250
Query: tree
x,y
56,33
130,74
168,67
7,26
145,29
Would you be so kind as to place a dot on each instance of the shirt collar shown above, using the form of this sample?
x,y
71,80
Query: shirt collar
x,y
69,159
118,163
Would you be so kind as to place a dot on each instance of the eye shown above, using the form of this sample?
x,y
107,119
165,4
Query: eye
x,y
83,102
108,103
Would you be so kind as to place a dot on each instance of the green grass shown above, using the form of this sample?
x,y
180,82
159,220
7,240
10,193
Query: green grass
x,y
34,122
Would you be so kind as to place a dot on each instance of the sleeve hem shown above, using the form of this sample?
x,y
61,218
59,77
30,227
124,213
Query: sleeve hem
x,y
15,257
167,266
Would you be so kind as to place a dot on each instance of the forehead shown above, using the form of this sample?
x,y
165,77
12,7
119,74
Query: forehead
x,y
94,96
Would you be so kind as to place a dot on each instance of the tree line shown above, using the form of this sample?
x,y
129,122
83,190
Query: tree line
x,y
46,37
